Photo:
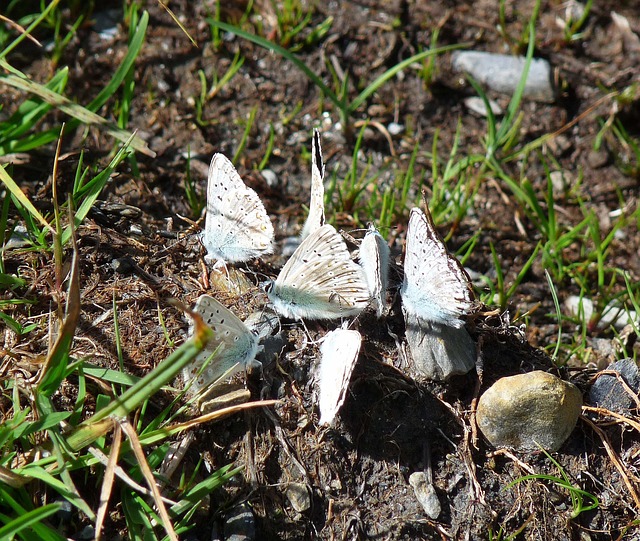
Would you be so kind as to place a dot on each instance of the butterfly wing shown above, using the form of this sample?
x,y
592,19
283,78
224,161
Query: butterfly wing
x,y
338,355
315,219
237,227
374,260
435,286
320,280
233,345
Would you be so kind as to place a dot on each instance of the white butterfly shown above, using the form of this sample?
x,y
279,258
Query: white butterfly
x,y
237,227
435,287
374,260
315,219
320,280
338,355
232,346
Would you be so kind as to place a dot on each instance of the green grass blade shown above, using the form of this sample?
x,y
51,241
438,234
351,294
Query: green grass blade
x,y
76,111
135,45
22,198
391,72
122,405
270,46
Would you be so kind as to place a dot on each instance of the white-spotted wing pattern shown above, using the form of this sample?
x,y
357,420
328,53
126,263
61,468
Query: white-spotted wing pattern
x,y
320,280
237,226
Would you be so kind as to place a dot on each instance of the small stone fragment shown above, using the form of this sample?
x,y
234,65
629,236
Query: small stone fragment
x,y
612,314
502,73
426,494
607,392
438,351
299,497
529,410
476,105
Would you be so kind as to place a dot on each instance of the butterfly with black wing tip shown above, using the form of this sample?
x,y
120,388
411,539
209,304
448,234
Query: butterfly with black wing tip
x,y
435,287
237,227
320,280
232,346
315,219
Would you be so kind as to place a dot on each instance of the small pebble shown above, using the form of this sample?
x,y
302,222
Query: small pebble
x,y
529,410
395,129
502,73
607,392
610,315
476,105
299,497
270,177
425,494
597,158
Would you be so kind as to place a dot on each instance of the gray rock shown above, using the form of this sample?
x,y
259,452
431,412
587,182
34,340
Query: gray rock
x,y
425,494
612,314
528,410
608,393
240,524
299,497
502,73
438,351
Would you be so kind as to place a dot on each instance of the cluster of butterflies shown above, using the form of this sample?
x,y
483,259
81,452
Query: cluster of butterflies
x,y
321,281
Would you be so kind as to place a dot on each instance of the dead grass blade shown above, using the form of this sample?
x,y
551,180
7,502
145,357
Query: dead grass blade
x,y
148,474
615,459
107,481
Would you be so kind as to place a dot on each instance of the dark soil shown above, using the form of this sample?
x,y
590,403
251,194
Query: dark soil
x,y
390,426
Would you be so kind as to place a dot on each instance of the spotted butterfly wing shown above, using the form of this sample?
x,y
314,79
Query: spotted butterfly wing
x,y
315,219
374,260
435,287
237,227
320,280
232,346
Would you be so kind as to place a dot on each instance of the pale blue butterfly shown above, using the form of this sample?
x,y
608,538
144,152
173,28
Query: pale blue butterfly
x,y
232,346
320,280
435,287
237,227
374,260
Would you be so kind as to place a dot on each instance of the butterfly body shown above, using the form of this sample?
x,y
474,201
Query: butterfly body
x,y
237,227
320,280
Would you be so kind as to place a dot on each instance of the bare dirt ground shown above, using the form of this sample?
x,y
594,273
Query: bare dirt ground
x,y
358,471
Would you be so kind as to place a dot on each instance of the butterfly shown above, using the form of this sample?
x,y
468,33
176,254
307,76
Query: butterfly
x,y
435,287
232,346
315,219
338,355
320,280
237,227
374,260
